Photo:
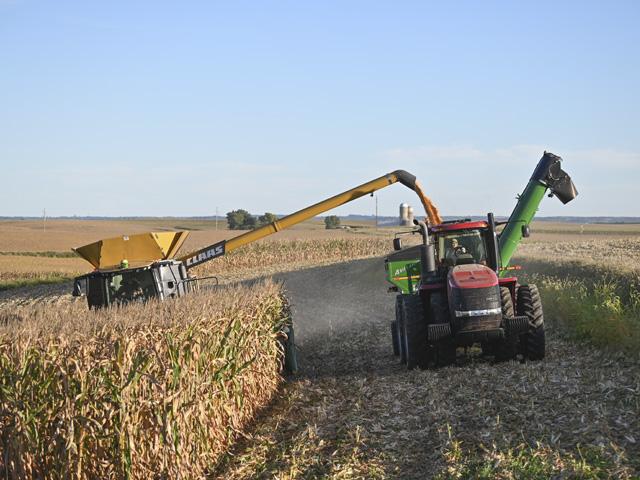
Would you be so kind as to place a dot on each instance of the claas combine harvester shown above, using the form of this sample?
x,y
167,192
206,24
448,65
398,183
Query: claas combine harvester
x,y
456,289
143,266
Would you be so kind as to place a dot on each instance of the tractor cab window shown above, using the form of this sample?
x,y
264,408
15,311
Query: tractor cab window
x,y
465,246
132,285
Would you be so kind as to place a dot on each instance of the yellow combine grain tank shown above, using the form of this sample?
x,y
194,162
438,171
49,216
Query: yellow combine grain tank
x,y
138,250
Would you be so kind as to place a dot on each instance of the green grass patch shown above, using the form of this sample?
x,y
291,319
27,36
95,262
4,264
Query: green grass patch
x,y
593,311
50,254
594,303
29,282
534,463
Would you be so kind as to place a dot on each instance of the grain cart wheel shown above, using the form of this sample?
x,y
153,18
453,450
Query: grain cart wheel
x,y
529,304
395,337
415,332
506,348
400,328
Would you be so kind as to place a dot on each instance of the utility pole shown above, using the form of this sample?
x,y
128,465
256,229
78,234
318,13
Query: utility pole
x,y
376,212
44,219
216,218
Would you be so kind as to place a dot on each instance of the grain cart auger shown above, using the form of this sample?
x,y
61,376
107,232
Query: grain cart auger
x,y
455,289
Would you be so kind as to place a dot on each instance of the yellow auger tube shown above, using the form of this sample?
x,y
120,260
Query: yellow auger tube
x,y
218,249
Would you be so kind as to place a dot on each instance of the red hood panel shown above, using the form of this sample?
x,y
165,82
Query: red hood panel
x,y
472,276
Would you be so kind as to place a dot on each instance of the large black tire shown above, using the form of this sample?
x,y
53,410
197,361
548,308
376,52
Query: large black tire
x,y
415,332
400,328
394,338
506,348
443,353
290,353
530,304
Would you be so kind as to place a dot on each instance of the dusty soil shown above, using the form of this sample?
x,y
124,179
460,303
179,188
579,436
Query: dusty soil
x,y
354,412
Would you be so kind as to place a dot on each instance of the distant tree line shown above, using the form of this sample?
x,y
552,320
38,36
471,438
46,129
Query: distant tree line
x,y
331,222
243,220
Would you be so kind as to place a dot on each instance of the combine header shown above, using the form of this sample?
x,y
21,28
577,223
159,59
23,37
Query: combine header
x,y
455,289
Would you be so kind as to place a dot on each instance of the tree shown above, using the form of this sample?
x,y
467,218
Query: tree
x,y
267,218
240,220
331,222
250,222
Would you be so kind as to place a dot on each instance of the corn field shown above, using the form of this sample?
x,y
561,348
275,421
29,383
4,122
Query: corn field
x,y
153,390
288,255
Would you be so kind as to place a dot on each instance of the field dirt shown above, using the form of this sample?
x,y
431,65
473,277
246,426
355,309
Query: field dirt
x,y
355,412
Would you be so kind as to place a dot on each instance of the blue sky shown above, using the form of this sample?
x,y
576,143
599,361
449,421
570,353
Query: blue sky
x,y
176,108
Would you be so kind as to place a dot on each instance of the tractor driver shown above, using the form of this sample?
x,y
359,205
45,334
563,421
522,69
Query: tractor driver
x,y
454,251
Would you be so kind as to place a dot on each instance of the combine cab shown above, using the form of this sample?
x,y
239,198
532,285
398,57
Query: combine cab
x,y
454,289
133,268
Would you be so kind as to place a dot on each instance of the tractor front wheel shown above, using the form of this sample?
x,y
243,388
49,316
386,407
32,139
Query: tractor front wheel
x,y
530,304
506,348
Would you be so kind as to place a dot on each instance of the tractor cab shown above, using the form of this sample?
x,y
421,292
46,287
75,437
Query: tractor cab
x,y
463,242
454,243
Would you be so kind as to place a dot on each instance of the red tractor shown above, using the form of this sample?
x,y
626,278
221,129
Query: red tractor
x,y
454,290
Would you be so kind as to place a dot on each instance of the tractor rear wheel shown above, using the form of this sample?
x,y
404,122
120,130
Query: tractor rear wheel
x,y
415,332
506,348
530,304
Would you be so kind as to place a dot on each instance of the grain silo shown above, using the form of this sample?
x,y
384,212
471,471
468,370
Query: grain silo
x,y
404,214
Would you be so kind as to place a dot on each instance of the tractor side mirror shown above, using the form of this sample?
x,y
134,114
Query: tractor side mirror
x,y
397,244
526,231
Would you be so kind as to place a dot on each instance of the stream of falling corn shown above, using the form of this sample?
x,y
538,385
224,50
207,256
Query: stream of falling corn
x,y
429,207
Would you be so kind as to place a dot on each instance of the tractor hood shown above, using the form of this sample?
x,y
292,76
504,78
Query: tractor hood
x,y
138,250
471,276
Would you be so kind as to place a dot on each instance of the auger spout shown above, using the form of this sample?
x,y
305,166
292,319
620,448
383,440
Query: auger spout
x,y
548,175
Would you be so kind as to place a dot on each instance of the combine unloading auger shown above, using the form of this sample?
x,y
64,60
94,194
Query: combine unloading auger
x,y
225,246
144,266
